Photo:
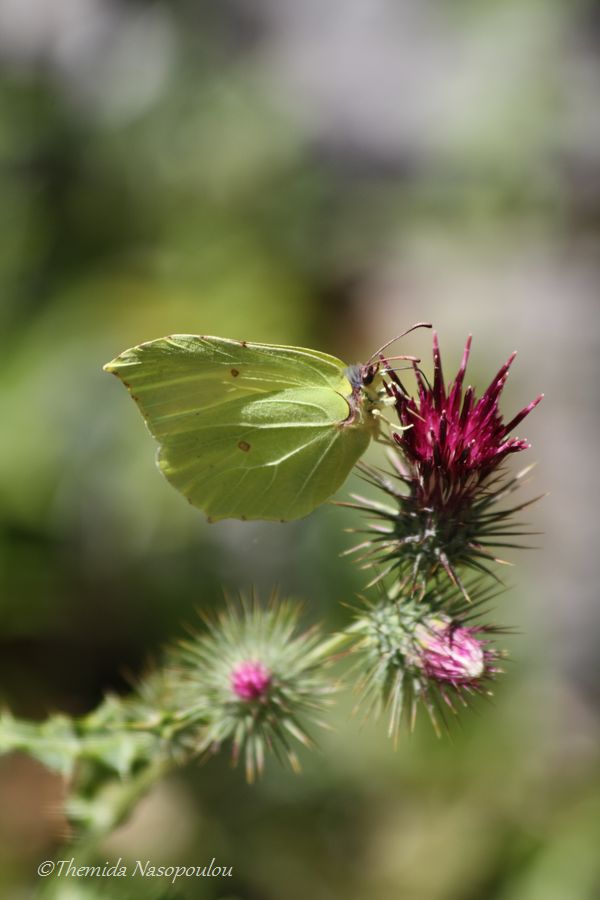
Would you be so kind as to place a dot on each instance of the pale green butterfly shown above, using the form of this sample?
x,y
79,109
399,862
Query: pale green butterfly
x,y
253,431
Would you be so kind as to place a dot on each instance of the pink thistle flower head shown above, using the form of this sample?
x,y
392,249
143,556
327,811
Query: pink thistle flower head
x,y
452,653
454,440
250,680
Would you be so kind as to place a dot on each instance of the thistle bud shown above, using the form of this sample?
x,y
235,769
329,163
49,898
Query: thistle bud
x,y
415,652
450,653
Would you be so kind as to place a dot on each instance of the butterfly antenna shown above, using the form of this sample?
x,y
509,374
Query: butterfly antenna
x,y
398,369
397,338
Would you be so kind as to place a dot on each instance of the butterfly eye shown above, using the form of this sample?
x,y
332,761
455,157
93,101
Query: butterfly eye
x,y
369,374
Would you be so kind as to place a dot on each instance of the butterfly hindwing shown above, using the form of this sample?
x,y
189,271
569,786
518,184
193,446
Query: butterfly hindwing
x,y
254,431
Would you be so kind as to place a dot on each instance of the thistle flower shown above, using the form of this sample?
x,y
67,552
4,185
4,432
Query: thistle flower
x,y
454,442
251,680
423,652
446,484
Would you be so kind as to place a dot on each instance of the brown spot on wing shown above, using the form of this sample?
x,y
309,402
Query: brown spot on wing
x,y
244,445
235,372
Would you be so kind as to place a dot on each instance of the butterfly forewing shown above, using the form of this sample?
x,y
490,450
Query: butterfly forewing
x,y
254,431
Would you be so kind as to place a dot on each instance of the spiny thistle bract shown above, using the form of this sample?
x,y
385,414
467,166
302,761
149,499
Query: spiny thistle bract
x,y
432,650
252,679
442,512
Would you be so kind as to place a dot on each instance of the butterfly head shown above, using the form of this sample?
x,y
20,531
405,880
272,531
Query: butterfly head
x,y
362,375
370,392
368,388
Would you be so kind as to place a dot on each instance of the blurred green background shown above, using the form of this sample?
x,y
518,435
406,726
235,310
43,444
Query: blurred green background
x,y
320,174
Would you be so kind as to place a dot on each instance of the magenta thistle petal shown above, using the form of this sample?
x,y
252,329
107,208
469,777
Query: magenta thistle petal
x,y
453,440
250,680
